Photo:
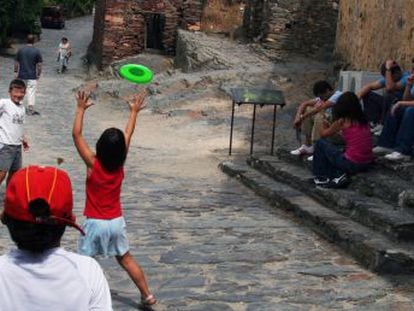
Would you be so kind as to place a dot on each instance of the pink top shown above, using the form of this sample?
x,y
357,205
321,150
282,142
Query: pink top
x,y
358,142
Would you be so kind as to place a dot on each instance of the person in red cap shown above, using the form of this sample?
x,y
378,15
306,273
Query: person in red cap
x,y
105,226
39,274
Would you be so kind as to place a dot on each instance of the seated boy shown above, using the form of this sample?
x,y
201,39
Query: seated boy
x,y
12,117
39,274
311,114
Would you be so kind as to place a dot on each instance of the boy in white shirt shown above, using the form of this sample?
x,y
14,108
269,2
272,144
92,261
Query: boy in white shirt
x,y
12,118
311,115
40,275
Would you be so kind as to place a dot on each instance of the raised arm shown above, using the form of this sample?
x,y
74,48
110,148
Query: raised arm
x,y
82,146
369,87
135,106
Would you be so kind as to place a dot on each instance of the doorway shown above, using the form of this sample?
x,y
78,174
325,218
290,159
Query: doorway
x,y
155,29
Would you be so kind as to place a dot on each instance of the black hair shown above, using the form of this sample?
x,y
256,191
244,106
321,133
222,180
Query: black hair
x,y
349,107
30,39
17,84
34,237
320,87
64,39
394,69
111,149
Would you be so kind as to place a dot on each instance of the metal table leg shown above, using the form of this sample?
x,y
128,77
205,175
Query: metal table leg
x,y
231,126
274,128
253,122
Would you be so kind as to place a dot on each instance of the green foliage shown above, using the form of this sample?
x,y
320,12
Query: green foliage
x,y
74,7
19,17
5,20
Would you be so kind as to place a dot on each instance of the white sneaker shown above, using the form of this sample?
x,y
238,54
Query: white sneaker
x,y
377,129
304,149
310,158
381,150
398,156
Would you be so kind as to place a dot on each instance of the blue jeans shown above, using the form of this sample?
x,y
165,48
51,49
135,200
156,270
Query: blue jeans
x,y
376,107
398,131
329,161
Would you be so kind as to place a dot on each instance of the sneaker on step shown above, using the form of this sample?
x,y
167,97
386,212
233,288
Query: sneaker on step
x,y
381,150
339,182
377,129
310,158
398,156
304,149
321,181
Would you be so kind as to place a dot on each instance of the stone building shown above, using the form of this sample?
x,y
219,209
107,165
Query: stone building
x,y
369,32
302,27
124,28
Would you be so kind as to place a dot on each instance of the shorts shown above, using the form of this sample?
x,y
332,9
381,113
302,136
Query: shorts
x,y
106,237
10,157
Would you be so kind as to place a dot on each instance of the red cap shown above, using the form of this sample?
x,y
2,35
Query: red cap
x,y
48,183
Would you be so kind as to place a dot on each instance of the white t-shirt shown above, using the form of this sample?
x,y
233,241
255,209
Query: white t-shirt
x,y
53,280
64,49
334,98
12,118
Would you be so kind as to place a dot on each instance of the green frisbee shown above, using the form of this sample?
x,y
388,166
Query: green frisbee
x,y
136,73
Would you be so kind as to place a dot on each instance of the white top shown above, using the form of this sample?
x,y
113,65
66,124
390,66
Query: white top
x,y
11,122
333,99
53,280
64,49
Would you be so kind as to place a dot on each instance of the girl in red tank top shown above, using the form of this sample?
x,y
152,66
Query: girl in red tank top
x,y
105,225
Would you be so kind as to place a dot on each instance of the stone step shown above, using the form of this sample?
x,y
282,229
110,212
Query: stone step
x,y
389,219
380,181
370,248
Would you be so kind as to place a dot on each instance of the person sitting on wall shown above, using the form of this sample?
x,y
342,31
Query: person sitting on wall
x,y
376,106
311,114
332,165
397,137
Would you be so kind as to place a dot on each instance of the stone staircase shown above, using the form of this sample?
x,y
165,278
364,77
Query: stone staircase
x,y
364,219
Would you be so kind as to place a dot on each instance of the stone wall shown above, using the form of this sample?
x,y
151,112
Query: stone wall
x,y
371,31
304,27
120,26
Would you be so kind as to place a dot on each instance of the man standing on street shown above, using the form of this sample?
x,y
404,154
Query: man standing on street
x,y
28,67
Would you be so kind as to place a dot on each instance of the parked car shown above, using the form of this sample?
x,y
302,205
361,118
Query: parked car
x,y
52,17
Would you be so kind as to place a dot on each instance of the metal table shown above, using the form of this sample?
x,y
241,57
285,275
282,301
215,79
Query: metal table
x,y
256,96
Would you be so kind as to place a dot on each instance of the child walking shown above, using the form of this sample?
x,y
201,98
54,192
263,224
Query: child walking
x,y
64,53
331,166
105,226
12,117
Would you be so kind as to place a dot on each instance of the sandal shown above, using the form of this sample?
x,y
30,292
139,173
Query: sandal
x,y
149,300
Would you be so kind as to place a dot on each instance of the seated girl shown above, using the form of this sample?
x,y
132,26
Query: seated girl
x,y
331,165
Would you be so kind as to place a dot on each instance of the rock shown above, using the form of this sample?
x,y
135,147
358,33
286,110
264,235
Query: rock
x,y
406,199
153,90
195,54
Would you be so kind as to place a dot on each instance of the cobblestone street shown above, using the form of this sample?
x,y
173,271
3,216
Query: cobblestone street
x,y
204,241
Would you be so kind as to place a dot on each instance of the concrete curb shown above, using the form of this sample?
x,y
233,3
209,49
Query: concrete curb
x,y
370,248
